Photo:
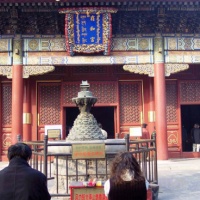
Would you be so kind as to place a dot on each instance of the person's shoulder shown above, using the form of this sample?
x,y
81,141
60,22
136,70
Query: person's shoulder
x,y
107,187
107,182
36,172
4,170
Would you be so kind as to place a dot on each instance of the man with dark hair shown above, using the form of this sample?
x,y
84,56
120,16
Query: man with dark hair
x,y
196,135
196,138
19,181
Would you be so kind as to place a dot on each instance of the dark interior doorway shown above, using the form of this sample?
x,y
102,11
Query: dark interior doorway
x,y
103,115
190,114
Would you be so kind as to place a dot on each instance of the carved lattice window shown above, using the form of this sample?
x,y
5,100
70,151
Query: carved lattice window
x,y
89,69
70,90
171,102
49,104
130,102
189,92
6,104
105,92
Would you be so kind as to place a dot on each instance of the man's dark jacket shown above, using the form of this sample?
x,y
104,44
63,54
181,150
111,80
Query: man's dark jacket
x,y
19,181
196,136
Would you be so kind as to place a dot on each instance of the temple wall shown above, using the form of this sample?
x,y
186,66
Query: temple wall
x,y
124,51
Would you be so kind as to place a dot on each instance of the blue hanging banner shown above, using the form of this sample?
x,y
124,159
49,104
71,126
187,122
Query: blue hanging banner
x,y
88,29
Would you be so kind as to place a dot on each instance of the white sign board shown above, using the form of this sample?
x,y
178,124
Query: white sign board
x,y
135,131
57,128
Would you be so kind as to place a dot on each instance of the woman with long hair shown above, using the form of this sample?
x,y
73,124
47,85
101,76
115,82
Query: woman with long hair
x,y
126,179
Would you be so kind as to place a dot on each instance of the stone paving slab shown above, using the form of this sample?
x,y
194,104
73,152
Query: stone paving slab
x,y
179,179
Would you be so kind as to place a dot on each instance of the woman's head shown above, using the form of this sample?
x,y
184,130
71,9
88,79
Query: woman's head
x,y
123,162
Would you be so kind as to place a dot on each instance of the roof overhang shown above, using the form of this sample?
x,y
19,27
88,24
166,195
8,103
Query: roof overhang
x,y
101,1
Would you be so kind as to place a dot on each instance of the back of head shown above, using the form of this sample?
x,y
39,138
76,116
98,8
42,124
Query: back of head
x,y
144,125
19,150
123,162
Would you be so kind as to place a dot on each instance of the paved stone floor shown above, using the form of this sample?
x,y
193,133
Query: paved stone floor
x,y
179,179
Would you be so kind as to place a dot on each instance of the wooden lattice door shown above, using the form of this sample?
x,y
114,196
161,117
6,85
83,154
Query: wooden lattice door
x,y
130,95
173,136
6,117
49,106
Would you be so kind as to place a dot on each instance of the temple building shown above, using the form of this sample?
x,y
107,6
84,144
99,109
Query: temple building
x,y
141,59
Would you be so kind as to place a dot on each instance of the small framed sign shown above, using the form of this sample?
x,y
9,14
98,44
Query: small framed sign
x,y
86,193
53,131
87,151
136,131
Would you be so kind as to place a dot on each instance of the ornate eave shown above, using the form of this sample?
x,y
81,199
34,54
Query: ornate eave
x,y
27,70
97,1
31,19
148,69
56,3
36,70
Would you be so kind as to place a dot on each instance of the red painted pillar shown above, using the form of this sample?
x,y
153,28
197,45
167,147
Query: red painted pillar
x,y
17,90
160,100
26,112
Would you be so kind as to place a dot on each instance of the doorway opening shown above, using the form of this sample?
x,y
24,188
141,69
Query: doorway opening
x,y
103,115
190,114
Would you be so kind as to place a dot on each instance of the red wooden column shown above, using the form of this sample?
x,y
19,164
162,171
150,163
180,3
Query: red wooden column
x,y
26,112
17,90
160,100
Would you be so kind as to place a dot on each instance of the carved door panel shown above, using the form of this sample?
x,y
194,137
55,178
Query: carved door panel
x,y
6,117
173,136
49,106
130,101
